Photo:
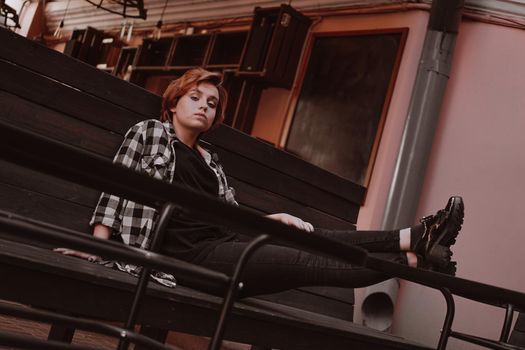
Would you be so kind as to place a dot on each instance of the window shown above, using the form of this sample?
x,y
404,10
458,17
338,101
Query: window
x,y
343,101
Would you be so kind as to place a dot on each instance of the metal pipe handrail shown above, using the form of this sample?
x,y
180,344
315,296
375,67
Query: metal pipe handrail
x,y
481,292
80,323
194,274
487,343
47,155
156,240
234,288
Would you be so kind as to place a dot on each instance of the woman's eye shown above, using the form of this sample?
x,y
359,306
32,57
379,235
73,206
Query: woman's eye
x,y
194,98
212,104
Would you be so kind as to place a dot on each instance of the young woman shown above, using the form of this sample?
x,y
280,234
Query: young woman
x,y
169,150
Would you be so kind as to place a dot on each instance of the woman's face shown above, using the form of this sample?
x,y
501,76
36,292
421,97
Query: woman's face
x,y
195,111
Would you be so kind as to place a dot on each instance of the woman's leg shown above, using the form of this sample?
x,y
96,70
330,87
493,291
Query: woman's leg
x,y
373,241
274,268
433,236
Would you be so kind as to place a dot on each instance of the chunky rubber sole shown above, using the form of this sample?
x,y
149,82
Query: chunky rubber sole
x,y
438,254
454,222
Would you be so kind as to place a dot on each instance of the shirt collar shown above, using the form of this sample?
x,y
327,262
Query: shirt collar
x,y
170,129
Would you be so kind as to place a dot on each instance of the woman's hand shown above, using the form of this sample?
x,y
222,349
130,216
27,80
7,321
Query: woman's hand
x,y
75,253
292,221
99,231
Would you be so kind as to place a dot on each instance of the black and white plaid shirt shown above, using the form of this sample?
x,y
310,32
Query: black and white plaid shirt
x,y
147,148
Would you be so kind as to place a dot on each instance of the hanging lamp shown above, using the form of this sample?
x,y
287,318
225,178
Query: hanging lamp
x,y
130,8
58,31
158,27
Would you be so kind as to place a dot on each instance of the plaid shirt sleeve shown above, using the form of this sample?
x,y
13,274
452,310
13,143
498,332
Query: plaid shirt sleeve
x,y
109,208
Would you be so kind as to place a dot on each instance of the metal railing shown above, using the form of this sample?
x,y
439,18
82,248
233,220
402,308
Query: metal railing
x,y
68,162
23,342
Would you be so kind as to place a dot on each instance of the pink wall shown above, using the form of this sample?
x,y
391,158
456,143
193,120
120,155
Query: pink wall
x,y
271,114
274,103
478,153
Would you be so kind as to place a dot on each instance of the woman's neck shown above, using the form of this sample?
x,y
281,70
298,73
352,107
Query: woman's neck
x,y
187,137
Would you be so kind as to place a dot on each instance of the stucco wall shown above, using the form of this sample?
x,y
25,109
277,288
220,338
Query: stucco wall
x,y
478,153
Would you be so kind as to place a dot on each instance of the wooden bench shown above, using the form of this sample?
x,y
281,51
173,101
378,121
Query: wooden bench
x,y
266,180
59,97
53,95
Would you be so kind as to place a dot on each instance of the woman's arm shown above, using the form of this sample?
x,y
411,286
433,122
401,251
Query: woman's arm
x,y
99,231
291,220
108,209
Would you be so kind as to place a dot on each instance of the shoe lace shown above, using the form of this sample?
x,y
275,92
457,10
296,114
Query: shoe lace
x,y
431,224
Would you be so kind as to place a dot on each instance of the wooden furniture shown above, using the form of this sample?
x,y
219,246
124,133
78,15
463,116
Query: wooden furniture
x,y
158,62
274,45
97,49
266,179
265,56
72,102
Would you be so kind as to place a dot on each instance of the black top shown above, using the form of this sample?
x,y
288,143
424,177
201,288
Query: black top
x,y
187,239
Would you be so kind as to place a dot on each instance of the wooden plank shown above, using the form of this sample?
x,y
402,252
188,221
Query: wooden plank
x,y
270,203
340,294
23,178
66,99
230,139
325,305
27,115
269,179
80,75
26,179
86,106
76,286
96,83
45,208
249,196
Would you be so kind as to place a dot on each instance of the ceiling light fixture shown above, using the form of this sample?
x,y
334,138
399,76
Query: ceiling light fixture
x,y
135,7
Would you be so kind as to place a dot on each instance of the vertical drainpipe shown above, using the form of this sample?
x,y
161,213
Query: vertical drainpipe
x,y
416,145
423,113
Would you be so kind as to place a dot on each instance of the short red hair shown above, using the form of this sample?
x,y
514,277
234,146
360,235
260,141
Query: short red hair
x,y
179,87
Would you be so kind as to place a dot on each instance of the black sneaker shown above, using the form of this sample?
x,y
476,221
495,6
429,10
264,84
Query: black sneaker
x,y
441,231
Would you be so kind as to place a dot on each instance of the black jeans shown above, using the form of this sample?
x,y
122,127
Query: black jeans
x,y
275,268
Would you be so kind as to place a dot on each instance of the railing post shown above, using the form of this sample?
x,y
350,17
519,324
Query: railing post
x,y
233,289
156,240
507,324
449,318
